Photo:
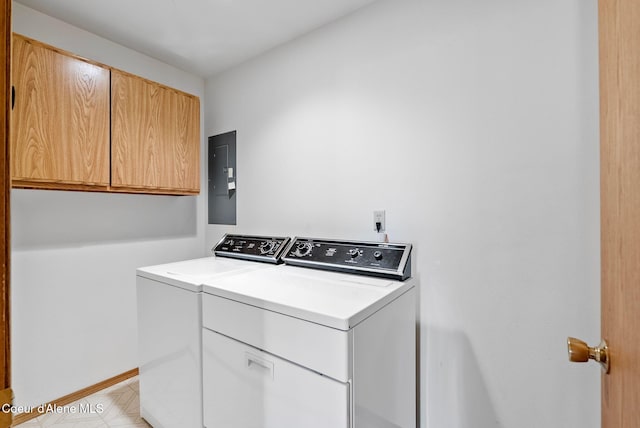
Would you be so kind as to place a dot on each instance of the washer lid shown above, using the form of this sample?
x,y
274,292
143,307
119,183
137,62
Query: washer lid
x,y
190,274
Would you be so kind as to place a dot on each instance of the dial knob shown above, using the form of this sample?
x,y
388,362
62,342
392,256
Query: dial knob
x,y
354,252
228,242
377,255
266,247
303,249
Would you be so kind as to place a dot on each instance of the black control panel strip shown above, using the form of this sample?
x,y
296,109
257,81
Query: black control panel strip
x,y
380,259
267,249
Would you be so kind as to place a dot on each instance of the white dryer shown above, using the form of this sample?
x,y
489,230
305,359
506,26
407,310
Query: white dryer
x,y
170,321
325,341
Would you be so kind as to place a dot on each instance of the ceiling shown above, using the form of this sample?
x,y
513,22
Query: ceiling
x,y
200,36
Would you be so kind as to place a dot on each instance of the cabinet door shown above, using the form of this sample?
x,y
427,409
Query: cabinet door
x,y
60,121
183,141
244,387
155,136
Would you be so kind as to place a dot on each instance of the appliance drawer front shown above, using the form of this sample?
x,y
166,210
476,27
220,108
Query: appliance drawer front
x,y
320,348
244,387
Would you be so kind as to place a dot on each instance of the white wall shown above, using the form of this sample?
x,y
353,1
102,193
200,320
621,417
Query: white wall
x,y
475,126
74,253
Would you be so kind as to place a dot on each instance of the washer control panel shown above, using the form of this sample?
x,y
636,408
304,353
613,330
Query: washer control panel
x,y
365,258
260,248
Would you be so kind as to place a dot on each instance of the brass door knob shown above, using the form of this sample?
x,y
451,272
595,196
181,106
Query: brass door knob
x,y
580,352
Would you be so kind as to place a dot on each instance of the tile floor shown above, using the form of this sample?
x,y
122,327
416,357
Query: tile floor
x,y
117,406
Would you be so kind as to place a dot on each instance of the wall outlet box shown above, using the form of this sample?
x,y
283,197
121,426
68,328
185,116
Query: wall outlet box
x,y
379,221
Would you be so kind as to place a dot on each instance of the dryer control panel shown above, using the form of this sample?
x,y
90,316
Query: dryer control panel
x,y
259,248
379,259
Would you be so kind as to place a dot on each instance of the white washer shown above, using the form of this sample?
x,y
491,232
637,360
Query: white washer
x,y
170,323
297,347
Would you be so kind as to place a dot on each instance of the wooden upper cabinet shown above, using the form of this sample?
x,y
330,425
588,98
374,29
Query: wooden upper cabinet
x,y
155,136
81,125
60,119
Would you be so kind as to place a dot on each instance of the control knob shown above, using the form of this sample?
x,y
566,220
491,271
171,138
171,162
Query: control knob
x,y
266,247
354,252
303,249
377,255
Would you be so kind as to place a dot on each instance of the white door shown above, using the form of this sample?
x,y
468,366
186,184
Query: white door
x,y
246,388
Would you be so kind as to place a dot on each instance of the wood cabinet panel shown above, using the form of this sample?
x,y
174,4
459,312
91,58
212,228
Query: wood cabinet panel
x,y
154,136
185,159
60,122
80,125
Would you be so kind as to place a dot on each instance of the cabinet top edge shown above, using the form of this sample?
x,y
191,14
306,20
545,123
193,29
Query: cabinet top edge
x,y
58,50
97,63
126,73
